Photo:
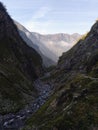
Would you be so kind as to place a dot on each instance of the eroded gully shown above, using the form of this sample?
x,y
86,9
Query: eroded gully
x,y
17,121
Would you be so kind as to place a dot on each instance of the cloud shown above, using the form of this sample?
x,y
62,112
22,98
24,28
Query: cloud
x,y
41,13
39,26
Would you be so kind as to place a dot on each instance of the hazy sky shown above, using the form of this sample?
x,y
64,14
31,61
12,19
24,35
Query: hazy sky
x,y
54,16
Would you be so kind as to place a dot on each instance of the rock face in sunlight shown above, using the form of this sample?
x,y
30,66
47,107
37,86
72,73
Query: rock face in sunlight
x,y
20,65
74,104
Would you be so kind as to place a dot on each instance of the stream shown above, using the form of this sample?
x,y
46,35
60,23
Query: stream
x,y
17,121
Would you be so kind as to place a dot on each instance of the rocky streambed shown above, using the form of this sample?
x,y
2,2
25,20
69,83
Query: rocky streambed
x,y
17,121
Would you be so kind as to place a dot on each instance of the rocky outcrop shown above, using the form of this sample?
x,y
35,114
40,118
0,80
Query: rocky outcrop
x,y
77,58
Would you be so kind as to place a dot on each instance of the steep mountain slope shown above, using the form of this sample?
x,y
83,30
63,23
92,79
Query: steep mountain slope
x,y
74,104
32,41
58,43
50,47
20,65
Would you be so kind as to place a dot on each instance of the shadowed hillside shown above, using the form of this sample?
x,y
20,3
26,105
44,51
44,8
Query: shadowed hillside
x,y
20,65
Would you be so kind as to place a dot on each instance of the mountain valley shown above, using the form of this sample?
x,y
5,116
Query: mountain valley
x,y
60,97
50,47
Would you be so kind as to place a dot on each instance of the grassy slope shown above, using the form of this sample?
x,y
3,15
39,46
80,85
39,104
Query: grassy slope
x,y
16,88
75,109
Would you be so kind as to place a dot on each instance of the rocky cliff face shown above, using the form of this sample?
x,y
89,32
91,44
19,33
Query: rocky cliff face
x,y
19,66
79,56
74,104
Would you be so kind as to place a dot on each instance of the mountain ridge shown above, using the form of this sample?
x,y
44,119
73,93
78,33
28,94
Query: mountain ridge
x,y
31,41
59,42
49,46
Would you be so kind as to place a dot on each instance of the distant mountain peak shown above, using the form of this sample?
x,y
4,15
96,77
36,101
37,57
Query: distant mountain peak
x,y
49,46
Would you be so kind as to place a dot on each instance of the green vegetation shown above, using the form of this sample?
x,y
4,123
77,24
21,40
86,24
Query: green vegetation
x,y
16,89
74,103
80,113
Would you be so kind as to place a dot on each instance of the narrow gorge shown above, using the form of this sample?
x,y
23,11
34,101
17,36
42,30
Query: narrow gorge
x,y
34,97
